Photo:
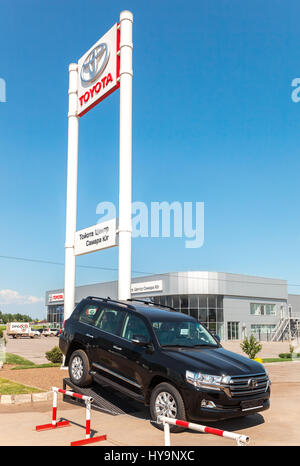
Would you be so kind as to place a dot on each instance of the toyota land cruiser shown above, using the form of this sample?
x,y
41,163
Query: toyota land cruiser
x,y
161,357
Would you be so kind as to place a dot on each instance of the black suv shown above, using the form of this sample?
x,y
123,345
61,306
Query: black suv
x,y
162,357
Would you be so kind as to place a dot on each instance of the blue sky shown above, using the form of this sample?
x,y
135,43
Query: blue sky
x,y
213,122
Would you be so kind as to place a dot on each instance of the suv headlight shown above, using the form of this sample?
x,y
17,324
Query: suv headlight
x,y
213,382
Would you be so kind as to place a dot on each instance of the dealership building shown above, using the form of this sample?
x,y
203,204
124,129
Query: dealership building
x,y
231,305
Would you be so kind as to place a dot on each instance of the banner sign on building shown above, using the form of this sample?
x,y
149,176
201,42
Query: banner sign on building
x,y
99,71
100,236
147,287
55,297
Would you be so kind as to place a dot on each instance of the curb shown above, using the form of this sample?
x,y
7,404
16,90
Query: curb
x,y
26,398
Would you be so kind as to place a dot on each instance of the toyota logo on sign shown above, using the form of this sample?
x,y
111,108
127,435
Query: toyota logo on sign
x,y
95,63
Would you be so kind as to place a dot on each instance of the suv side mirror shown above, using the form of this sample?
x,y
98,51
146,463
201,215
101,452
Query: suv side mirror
x,y
217,337
140,340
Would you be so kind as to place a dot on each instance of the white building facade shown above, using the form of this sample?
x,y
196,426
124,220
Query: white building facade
x,y
231,305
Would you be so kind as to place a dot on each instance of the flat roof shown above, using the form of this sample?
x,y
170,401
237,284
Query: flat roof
x,y
191,282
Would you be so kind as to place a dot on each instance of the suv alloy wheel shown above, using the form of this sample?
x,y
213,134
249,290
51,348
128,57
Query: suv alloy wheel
x,y
166,401
79,368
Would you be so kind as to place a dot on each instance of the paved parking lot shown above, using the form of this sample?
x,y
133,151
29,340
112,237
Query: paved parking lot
x,y
280,425
33,349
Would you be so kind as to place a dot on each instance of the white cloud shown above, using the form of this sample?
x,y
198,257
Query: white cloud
x,y
14,297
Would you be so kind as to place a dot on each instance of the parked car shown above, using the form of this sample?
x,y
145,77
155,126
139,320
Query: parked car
x,y
163,358
49,332
35,334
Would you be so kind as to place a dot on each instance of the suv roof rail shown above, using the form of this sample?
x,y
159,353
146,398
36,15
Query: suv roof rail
x,y
108,299
152,303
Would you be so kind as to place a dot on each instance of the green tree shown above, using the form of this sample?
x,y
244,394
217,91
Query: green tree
x,y
14,318
251,346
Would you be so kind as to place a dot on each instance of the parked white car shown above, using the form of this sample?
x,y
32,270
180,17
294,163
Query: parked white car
x,y
49,332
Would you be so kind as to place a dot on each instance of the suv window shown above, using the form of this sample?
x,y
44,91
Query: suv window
x,y
110,320
88,313
134,326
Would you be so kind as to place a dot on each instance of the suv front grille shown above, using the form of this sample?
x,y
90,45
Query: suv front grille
x,y
248,385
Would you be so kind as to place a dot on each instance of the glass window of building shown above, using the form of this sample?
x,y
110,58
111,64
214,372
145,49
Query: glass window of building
x,y
163,300
219,301
212,320
257,328
169,301
176,303
261,309
220,315
207,309
55,315
233,330
203,301
193,304
184,304
212,301
203,315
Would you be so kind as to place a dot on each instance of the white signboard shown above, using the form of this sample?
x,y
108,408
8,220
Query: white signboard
x,y
19,327
99,70
100,236
55,297
147,287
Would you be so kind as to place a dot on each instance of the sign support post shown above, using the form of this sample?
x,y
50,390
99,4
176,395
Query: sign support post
x,y
125,182
105,67
71,208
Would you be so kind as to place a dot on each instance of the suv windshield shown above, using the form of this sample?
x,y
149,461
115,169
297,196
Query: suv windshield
x,y
182,333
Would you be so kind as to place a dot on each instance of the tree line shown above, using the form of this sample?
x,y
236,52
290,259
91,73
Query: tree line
x,y
5,318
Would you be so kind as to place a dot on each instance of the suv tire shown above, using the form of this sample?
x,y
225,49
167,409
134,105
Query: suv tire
x,y
79,368
168,398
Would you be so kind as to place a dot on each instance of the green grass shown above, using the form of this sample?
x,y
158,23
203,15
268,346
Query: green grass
x,y
280,359
35,366
22,363
18,360
7,387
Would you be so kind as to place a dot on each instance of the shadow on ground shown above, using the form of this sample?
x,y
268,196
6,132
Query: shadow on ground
x,y
110,401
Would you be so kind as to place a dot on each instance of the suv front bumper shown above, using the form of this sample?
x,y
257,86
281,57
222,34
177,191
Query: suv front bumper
x,y
225,408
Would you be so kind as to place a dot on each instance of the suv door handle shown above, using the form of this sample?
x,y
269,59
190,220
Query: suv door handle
x,y
88,335
117,348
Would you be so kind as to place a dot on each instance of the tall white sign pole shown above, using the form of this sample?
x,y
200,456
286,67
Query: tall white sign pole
x,y
125,188
71,208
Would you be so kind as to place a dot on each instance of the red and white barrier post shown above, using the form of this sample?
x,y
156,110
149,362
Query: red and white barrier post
x,y
88,401
241,440
54,424
54,408
88,420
